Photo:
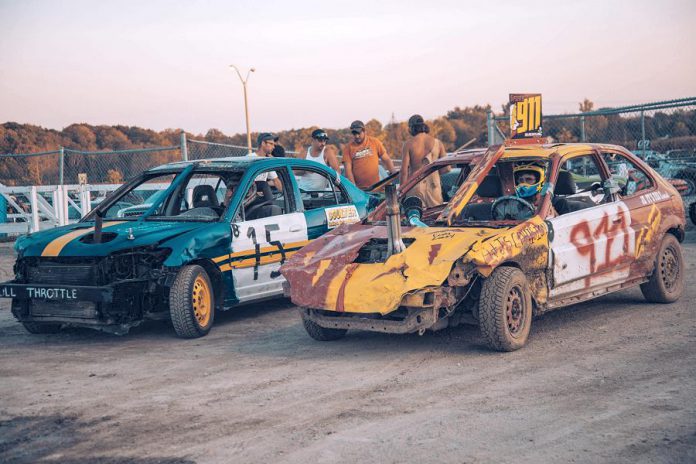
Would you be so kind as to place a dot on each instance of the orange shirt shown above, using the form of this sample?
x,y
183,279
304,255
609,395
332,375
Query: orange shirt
x,y
365,160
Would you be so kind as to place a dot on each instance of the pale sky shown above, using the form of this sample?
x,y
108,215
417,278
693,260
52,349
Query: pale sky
x,y
165,64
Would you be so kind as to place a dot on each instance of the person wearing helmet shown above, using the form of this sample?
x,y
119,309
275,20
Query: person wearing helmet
x,y
529,180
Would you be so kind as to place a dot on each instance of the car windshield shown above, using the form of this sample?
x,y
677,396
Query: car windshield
x,y
511,191
185,196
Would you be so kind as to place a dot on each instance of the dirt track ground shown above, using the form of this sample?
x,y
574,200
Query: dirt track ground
x,y
612,380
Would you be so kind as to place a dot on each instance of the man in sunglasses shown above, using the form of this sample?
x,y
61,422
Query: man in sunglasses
x,y
361,157
320,152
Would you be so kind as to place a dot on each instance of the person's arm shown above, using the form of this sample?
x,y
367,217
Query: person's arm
x,y
348,164
405,162
443,153
332,160
388,163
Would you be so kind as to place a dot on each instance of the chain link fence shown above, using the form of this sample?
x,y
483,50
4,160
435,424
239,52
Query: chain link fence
x,y
662,133
200,149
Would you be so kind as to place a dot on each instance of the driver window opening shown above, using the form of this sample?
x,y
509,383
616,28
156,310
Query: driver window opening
x,y
317,190
263,199
578,185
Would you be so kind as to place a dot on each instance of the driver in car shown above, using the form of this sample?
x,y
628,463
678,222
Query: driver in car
x,y
529,181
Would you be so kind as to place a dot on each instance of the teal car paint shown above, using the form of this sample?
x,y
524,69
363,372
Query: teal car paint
x,y
216,217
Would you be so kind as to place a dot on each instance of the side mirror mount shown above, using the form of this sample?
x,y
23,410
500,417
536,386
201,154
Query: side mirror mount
x,y
611,186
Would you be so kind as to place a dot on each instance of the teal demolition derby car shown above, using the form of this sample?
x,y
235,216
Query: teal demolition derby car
x,y
181,241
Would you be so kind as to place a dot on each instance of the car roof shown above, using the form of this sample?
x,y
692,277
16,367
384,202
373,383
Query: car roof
x,y
233,163
549,150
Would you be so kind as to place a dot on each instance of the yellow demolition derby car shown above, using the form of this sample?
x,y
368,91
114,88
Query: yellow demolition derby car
x,y
532,227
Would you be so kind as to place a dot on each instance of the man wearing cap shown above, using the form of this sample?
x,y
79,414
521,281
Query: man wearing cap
x,y
422,149
361,157
321,153
266,143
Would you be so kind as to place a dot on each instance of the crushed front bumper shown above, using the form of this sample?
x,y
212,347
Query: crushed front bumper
x,y
416,320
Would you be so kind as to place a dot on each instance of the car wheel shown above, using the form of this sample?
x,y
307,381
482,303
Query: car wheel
x,y
692,212
41,327
666,283
505,309
192,302
320,333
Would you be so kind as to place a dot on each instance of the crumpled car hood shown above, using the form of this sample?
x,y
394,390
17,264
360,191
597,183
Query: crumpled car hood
x,y
323,275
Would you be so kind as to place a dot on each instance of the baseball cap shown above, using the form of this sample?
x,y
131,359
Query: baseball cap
x,y
357,125
415,120
320,134
264,136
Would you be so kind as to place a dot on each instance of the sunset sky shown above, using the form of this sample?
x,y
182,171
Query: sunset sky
x,y
165,64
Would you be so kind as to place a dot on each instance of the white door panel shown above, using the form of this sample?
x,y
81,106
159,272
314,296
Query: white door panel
x,y
591,247
258,250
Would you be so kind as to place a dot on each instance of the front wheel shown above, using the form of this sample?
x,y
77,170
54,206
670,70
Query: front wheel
x,y
192,302
666,283
41,327
505,309
320,333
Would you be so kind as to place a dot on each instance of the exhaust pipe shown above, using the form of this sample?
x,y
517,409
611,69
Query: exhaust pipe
x,y
394,243
97,227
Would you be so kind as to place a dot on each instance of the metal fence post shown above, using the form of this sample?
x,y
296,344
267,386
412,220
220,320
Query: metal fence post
x,y
184,149
61,166
642,129
489,126
582,129
34,200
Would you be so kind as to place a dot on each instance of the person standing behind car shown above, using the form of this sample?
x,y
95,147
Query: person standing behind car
x,y
361,157
420,150
321,153
266,143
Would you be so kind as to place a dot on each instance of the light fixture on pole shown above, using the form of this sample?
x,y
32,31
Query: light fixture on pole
x,y
246,105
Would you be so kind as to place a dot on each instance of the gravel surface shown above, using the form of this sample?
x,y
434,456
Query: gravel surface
x,y
612,380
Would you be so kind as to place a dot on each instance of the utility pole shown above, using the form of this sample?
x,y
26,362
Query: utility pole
x,y
246,104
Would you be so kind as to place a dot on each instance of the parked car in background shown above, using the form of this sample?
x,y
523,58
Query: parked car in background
x,y
211,237
675,164
596,220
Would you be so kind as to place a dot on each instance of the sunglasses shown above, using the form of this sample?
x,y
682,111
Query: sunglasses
x,y
321,139
356,132
270,142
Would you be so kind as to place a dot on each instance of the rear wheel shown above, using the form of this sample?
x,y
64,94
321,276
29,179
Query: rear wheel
x,y
41,327
192,302
692,211
505,309
320,333
666,284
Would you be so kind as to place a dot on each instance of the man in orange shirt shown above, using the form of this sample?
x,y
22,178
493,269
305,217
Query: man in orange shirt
x,y
361,157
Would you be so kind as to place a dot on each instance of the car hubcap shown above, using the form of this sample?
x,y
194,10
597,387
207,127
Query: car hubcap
x,y
514,311
201,301
669,268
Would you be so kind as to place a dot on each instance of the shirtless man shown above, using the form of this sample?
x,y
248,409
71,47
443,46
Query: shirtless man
x,y
422,149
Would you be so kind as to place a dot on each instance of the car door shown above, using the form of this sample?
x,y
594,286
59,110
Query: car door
x,y
326,204
260,245
592,243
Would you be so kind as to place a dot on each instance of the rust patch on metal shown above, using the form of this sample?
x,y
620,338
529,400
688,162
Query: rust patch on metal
x,y
434,248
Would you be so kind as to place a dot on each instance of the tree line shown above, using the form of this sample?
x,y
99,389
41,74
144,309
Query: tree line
x,y
676,129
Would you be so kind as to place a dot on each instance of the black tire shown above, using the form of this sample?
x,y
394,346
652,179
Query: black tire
x,y
41,327
692,212
192,302
320,333
505,309
666,283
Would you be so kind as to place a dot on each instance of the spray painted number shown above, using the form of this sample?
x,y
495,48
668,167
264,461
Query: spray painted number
x,y
251,233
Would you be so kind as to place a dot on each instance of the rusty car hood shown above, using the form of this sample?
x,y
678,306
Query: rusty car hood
x,y
325,274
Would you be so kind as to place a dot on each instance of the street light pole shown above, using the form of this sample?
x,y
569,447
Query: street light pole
x,y
246,104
